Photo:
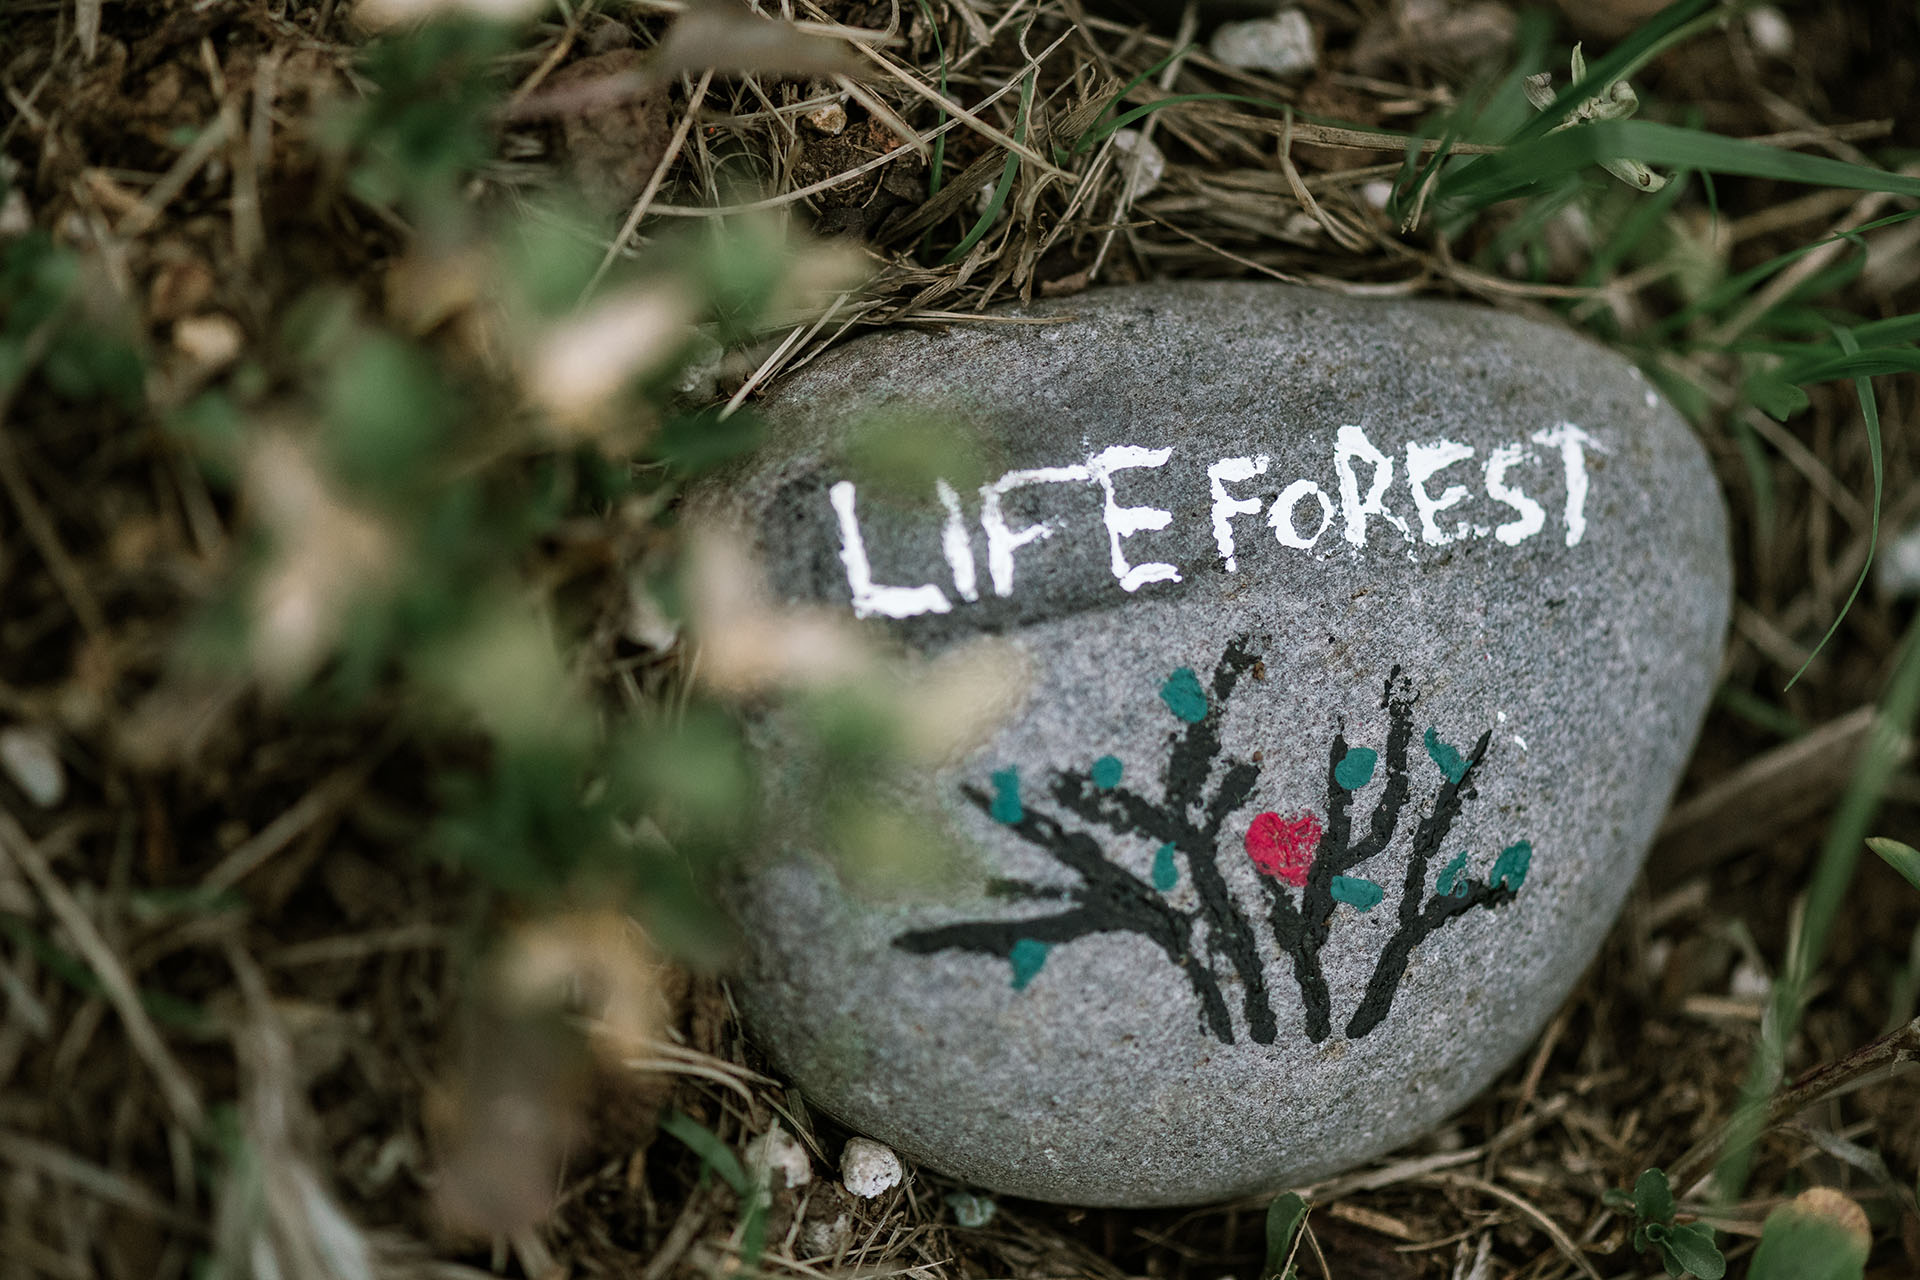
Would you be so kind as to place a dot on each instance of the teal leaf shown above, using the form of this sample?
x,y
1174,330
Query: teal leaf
x,y
1107,771
1355,770
1510,868
1451,883
1026,956
1006,797
1184,696
1451,762
1356,892
1165,873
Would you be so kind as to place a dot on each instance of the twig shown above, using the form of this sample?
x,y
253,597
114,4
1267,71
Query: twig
x,y
1561,1240
115,984
1888,1053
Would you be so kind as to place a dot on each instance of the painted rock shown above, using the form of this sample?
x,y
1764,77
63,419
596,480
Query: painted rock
x,y
1366,643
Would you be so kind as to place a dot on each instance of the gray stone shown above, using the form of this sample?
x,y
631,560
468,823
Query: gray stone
x,y
1282,45
1330,777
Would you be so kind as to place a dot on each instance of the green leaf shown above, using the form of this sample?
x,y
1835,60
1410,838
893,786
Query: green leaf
x,y
694,443
1775,397
1652,1197
713,1153
1798,1245
1286,1216
386,410
1903,858
1003,188
1692,1247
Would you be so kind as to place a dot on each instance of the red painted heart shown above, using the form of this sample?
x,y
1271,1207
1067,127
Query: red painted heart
x,y
1284,847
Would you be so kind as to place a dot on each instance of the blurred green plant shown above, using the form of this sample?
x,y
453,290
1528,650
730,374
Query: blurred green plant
x,y
53,323
1819,1235
424,128
411,466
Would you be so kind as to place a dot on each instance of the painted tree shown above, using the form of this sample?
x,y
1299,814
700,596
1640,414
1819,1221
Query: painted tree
x,y
1201,790
1302,926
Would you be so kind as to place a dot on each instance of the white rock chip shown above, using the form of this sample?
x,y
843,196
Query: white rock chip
x,y
830,119
1283,45
33,763
15,218
1897,567
779,1152
1140,157
869,1168
211,341
824,1238
1770,31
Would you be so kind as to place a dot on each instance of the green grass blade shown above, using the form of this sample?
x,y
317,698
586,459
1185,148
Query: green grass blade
x,y
1525,167
1902,857
1001,189
1088,138
1646,215
1832,876
715,1154
1753,457
1737,287
1125,118
1891,330
936,160
1853,363
1760,713
1870,411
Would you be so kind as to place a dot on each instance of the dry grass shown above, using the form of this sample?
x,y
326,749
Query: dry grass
x,y
222,928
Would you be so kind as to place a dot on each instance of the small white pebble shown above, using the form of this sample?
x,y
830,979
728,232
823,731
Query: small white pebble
x,y
830,119
869,1168
1749,982
33,762
1141,158
209,341
1659,953
779,1152
1770,32
823,1239
969,1210
1283,45
1897,567
15,218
